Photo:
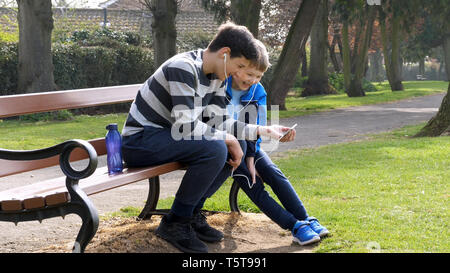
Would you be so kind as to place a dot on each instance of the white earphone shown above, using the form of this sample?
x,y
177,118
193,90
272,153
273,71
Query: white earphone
x,y
225,64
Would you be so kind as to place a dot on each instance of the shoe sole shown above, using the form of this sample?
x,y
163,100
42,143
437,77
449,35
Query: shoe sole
x,y
313,240
176,245
324,233
208,239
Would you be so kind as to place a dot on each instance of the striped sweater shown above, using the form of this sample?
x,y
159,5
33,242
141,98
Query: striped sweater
x,y
181,97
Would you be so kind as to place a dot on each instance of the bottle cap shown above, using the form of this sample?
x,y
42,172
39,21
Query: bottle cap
x,y
112,126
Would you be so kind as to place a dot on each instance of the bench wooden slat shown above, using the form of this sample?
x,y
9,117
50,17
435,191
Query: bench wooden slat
x,y
11,205
51,198
12,167
9,167
93,185
34,189
16,105
53,191
34,202
57,198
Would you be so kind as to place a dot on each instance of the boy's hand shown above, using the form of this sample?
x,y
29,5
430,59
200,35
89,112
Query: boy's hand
x,y
277,132
288,134
234,148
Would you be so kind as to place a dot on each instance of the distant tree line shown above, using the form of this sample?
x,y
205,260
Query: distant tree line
x,y
406,29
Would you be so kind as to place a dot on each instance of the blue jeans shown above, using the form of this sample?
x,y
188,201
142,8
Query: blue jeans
x,y
293,207
205,160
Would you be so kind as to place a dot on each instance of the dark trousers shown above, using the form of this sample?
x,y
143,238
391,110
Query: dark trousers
x,y
206,160
292,210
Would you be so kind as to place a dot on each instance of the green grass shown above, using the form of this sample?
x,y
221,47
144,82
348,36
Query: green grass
x,y
297,106
34,135
129,211
391,191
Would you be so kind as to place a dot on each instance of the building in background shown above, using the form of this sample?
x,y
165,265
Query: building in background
x,y
121,15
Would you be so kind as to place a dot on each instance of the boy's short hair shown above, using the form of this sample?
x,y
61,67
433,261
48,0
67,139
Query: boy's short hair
x,y
262,63
238,38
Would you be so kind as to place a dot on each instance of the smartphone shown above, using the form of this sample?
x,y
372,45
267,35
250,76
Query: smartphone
x,y
287,132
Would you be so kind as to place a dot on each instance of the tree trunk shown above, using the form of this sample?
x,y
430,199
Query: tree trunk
x,y
336,59
360,54
357,40
346,55
446,48
396,84
439,124
247,13
333,57
339,43
163,29
386,55
422,66
290,57
35,68
441,65
304,63
391,59
375,66
446,132
318,73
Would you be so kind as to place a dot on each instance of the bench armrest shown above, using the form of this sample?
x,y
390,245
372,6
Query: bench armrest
x,y
64,150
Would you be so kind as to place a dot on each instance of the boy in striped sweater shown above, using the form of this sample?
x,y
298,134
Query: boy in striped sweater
x,y
179,114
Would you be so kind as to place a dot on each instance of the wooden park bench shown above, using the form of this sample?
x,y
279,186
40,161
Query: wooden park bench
x,y
69,194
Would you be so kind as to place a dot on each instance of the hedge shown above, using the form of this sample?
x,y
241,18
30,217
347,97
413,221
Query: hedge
x,y
103,61
8,68
95,66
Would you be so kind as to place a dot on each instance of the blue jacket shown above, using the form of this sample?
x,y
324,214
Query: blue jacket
x,y
254,101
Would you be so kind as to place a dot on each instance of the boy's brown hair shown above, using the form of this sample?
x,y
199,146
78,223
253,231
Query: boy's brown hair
x,y
238,38
262,63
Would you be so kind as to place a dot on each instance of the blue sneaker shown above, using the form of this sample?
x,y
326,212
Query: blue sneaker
x,y
303,234
318,228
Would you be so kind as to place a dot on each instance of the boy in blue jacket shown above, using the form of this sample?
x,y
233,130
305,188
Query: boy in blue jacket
x,y
247,102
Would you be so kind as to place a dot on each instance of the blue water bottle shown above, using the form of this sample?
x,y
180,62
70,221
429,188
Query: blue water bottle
x,y
113,142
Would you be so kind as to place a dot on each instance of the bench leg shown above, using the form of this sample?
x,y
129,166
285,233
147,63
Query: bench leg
x,y
84,207
153,196
152,199
233,197
85,235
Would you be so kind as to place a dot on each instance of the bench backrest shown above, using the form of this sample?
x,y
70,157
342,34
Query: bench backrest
x,y
16,105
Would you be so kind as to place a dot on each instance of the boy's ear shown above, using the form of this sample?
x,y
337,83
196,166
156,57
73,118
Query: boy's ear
x,y
223,51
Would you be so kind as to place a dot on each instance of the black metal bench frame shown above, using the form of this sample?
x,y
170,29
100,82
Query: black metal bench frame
x,y
79,202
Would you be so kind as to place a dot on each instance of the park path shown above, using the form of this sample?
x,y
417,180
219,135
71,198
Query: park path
x,y
335,126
